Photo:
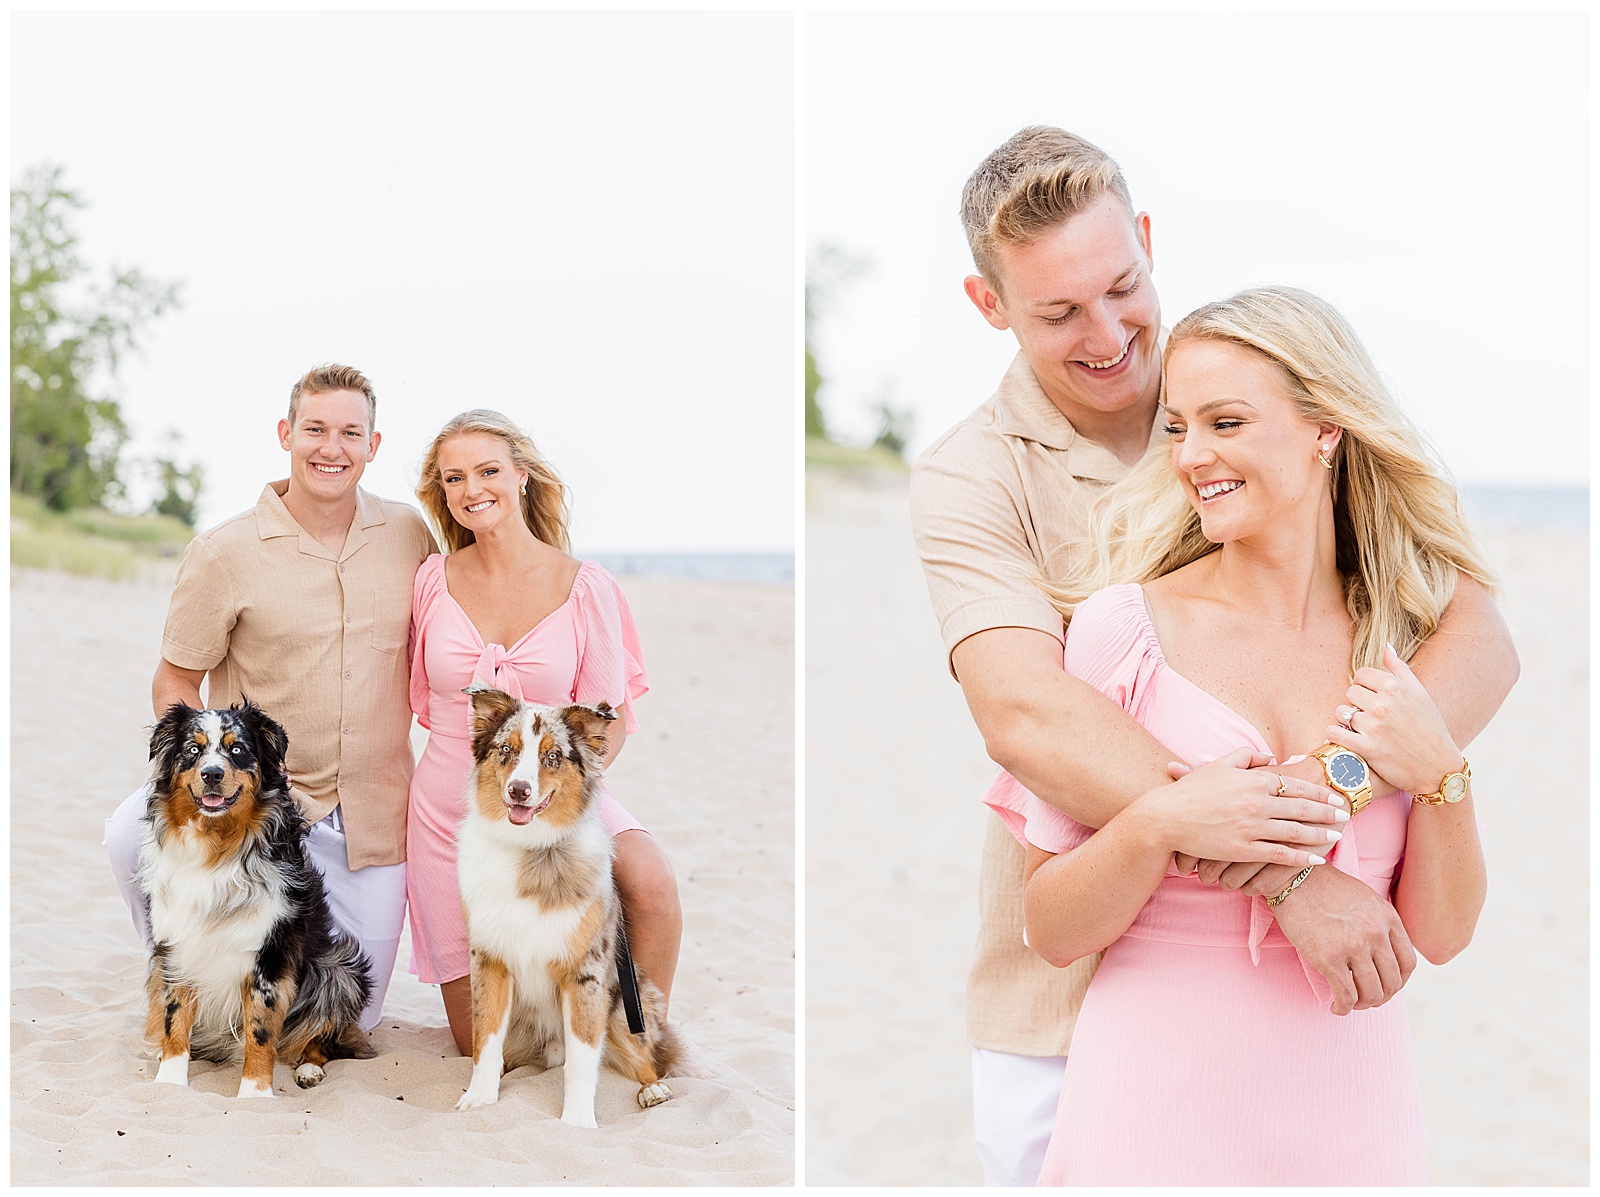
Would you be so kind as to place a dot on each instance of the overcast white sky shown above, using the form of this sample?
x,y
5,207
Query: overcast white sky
x,y
1426,172
585,221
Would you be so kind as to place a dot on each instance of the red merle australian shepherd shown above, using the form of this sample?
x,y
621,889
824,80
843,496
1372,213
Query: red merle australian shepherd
x,y
543,917
246,954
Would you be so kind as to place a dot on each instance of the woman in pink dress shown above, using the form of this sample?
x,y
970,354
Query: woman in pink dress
x,y
506,604
1298,528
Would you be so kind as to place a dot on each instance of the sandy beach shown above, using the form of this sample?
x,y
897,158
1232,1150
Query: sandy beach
x,y
84,1109
894,771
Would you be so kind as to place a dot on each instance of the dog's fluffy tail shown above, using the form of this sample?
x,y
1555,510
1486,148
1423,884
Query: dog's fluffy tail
x,y
332,994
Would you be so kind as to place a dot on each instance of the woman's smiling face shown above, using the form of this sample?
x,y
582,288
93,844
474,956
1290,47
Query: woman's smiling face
x,y
1245,454
480,482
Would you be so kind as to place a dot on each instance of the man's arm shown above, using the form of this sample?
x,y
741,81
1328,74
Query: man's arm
x,y
1056,734
172,684
1077,750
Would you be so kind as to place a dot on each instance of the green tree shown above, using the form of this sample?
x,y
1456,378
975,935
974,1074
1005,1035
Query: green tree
x,y
69,333
829,268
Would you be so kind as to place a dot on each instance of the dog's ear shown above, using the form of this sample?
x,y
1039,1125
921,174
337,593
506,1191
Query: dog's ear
x,y
490,709
272,742
164,736
588,724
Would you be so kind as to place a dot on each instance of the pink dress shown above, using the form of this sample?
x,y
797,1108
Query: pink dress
x,y
1206,1053
586,650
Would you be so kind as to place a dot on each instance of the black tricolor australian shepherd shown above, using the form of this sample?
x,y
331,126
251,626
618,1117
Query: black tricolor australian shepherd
x,y
246,954
543,917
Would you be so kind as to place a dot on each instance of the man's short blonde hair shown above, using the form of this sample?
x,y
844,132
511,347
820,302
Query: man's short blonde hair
x,y
1034,182
325,379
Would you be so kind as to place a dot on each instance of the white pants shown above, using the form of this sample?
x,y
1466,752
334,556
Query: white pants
x,y
368,904
1014,1101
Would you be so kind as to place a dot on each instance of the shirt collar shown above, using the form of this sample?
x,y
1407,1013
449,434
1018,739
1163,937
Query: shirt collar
x,y
1023,410
273,518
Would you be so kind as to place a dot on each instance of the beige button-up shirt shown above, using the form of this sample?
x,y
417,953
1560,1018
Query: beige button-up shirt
x,y
319,641
997,501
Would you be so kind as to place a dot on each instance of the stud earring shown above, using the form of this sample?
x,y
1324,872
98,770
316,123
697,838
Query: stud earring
x,y
1322,457
523,489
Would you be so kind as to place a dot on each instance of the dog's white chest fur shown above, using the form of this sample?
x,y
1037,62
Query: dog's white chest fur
x,y
511,926
213,917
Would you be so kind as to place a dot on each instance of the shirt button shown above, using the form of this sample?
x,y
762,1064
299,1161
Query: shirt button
x,y
347,677
347,618
341,568
347,731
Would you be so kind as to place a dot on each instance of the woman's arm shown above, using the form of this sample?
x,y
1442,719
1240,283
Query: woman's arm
x,y
1443,881
1442,878
616,735
1078,902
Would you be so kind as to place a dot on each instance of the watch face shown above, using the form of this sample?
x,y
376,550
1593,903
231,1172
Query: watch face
x,y
1455,789
1347,770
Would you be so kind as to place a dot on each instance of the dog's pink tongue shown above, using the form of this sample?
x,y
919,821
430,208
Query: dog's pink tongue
x,y
212,800
520,815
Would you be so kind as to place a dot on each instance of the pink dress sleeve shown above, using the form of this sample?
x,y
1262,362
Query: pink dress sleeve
x,y
427,590
610,662
1110,645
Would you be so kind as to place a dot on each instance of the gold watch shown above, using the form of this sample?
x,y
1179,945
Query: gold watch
x,y
1347,773
1452,789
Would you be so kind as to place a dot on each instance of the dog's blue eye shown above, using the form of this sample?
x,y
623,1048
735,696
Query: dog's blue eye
x,y
234,750
505,750
193,750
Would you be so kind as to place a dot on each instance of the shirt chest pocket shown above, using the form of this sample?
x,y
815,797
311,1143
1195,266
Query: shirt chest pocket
x,y
391,619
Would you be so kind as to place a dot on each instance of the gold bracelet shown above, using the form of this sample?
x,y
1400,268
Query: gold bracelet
x,y
1292,886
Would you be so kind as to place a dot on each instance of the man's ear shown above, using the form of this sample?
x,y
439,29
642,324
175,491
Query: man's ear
x,y
986,300
1141,226
372,445
283,434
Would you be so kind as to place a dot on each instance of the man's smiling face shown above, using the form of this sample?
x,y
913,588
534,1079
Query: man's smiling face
x,y
329,445
1084,310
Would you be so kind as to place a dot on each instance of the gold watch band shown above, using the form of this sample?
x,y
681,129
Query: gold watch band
x,y
1448,792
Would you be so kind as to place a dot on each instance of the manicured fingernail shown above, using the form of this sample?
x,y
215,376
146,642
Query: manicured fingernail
x,y
1334,836
1340,816
1315,859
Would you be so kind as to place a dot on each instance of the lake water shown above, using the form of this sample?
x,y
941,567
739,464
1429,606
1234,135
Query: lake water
x,y
771,568
1553,508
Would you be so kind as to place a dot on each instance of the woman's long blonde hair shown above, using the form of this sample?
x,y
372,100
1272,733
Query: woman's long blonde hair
x,y
544,502
1400,536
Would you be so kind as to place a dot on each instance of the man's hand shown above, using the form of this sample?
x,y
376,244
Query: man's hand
x,y
1351,936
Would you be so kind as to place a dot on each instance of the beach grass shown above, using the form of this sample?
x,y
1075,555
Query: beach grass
x,y
828,455
93,542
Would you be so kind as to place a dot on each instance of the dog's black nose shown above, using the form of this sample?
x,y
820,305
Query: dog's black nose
x,y
211,775
521,791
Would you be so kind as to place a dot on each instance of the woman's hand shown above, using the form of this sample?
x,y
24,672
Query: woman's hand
x,y
1226,812
1388,718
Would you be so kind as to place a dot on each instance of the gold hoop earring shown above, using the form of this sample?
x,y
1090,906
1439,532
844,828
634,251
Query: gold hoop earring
x,y
1322,457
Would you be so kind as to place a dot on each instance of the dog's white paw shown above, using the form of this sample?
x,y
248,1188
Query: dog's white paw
x,y
653,1095
577,1117
174,1071
248,1088
473,1098
308,1076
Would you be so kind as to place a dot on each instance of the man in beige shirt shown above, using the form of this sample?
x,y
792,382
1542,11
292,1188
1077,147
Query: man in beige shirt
x,y
1064,263
303,604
